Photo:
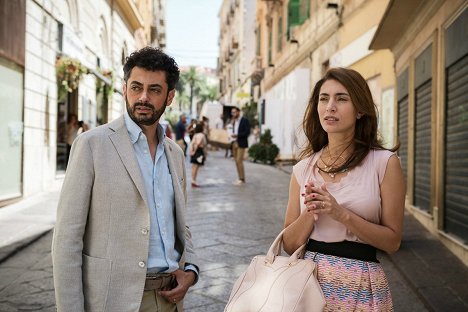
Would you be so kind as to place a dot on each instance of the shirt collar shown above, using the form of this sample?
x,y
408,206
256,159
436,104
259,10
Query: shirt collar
x,y
135,131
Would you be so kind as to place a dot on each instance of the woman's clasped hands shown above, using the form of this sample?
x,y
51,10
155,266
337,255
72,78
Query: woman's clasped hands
x,y
318,201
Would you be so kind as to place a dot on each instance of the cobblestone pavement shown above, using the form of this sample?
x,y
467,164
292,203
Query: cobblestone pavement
x,y
230,224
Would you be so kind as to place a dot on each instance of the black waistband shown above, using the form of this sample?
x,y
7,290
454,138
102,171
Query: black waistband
x,y
345,249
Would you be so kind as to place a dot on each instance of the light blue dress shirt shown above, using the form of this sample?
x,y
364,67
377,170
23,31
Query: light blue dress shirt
x,y
162,257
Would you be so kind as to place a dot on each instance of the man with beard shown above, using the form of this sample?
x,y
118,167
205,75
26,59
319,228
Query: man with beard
x,y
121,242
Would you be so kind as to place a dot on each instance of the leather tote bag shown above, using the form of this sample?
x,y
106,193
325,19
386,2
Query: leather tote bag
x,y
275,283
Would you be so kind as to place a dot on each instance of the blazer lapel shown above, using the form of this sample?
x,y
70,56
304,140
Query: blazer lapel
x,y
121,141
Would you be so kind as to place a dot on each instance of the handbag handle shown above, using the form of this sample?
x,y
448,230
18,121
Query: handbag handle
x,y
275,250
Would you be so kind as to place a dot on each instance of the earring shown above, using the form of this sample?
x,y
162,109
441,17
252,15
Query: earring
x,y
359,115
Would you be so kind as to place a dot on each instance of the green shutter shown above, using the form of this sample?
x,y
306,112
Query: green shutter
x,y
293,13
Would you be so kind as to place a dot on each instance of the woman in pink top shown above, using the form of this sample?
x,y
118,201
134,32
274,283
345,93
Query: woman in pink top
x,y
346,195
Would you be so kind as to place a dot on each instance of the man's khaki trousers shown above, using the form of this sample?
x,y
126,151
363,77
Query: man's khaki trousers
x,y
238,153
152,302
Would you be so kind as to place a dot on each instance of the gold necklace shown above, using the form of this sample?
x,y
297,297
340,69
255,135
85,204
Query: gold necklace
x,y
330,167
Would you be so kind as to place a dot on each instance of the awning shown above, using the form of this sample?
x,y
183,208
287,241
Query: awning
x,y
106,80
96,73
397,17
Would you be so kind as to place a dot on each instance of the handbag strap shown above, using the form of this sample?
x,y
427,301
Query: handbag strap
x,y
275,250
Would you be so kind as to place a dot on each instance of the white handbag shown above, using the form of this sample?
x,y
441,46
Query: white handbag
x,y
274,283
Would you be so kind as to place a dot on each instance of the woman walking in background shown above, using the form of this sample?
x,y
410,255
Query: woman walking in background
x,y
346,196
197,151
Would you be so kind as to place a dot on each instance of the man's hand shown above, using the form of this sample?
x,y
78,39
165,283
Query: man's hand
x,y
184,281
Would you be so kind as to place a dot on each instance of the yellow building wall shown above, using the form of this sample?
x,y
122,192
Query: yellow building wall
x,y
364,15
380,63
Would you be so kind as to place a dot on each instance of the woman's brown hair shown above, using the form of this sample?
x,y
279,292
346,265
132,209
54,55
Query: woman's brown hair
x,y
199,126
365,134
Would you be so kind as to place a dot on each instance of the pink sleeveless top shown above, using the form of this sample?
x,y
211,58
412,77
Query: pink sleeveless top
x,y
358,191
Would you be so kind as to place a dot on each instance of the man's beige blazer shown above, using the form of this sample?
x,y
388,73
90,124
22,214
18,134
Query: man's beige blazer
x,y
101,237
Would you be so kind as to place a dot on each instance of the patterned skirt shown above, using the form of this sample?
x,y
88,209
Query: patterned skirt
x,y
352,285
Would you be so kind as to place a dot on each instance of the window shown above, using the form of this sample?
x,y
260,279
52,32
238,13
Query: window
x,y
298,12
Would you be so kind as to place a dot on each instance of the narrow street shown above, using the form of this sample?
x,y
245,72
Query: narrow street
x,y
230,224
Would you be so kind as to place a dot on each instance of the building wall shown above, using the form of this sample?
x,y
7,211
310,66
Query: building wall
x,y
428,29
237,48
284,109
40,97
98,31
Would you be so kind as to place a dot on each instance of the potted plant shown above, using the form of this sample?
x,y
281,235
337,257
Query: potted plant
x,y
264,151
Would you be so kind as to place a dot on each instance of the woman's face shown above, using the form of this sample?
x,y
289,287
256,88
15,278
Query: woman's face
x,y
336,111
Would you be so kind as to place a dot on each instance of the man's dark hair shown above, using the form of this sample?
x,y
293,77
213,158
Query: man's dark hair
x,y
153,59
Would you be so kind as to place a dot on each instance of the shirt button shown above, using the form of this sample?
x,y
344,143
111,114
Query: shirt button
x,y
141,264
144,231
145,151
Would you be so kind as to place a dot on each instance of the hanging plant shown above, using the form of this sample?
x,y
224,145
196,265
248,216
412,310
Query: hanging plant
x,y
69,73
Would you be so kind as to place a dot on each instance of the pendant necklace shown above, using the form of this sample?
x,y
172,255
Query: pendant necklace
x,y
329,167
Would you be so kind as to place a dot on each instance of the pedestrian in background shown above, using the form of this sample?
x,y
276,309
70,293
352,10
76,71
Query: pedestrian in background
x,y
180,133
230,132
121,242
197,151
191,128
346,196
74,128
241,131
206,129
219,122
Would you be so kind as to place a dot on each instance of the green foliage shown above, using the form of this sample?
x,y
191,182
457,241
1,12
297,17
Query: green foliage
x,y
264,151
194,86
249,111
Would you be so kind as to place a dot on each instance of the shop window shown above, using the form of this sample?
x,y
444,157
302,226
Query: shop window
x,y
11,130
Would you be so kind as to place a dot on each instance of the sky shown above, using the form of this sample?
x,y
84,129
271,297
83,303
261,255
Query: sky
x,y
192,31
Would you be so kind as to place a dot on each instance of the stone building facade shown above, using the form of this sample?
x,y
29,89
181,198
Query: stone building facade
x,y
44,36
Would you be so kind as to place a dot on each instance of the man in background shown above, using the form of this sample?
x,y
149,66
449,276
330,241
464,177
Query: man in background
x,y
180,133
241,131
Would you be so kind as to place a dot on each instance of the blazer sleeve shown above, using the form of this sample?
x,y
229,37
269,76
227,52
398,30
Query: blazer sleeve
x,y
72,212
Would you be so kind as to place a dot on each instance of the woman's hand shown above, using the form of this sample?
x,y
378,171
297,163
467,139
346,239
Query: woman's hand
x,y
320,201
307,196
